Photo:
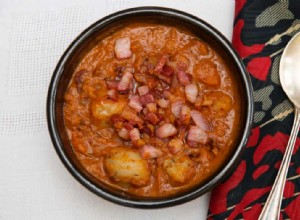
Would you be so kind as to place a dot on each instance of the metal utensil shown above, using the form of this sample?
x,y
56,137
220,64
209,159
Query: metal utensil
x,y
289,73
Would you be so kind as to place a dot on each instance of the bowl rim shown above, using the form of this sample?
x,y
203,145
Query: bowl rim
x,y
181,197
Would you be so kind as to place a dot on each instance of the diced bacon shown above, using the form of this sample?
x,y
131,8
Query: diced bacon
x,y
134,134
183,78
191,92
163,103
199,120
198,103
152,118
122,48
197,135
185,114
112,94
129,68
149,130
156,93
167,94
160,117
116,118
151,107
182,66
130,115
135,103
141,78
111,84
193,144
166,79
145,111
143,90
125,82
123,133
128,125
175,145
117,121
150,152
161,63
146,99
168,70
176,108
166,130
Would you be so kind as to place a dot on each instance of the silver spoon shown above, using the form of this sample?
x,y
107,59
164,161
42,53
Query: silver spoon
x,y
289,73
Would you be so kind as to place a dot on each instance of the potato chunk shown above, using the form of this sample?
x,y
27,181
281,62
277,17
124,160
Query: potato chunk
x,y
105,108
206,72
218,102
180,169
127,166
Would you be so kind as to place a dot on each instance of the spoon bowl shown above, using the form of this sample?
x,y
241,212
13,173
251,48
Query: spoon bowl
x,y
289,71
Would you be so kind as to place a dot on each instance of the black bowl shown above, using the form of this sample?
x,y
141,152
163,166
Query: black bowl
x,y
90,37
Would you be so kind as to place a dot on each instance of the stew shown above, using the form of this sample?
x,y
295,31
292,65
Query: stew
x,y
152,110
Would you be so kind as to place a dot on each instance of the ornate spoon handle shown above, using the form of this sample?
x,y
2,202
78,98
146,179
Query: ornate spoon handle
x,y
272,206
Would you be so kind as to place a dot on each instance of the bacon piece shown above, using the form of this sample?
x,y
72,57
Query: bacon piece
x,y
193,144
122,48
140,77
146,99
149,130
198,103
111,84
185,114
199,120
151,107
117,121
167,94
197,135
125,82
123,133
135,103
130,115
152,118
128,125
168,70
163,103
183,78
143,90
161,62
150,152
166,130
156,93
116,118
134,134
166,79
145,111
112,94
175,145
191,92
176,108
182,66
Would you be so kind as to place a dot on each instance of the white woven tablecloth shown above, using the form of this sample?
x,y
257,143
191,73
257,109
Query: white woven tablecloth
x,y
34,184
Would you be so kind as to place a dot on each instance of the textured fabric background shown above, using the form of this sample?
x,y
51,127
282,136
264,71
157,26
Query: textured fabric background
x,y
261,31
33,182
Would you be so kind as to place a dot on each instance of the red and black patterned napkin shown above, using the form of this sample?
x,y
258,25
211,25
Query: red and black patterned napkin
x,y
262,28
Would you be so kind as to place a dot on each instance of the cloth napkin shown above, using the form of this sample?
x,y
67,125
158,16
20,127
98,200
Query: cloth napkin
x,y
261,31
